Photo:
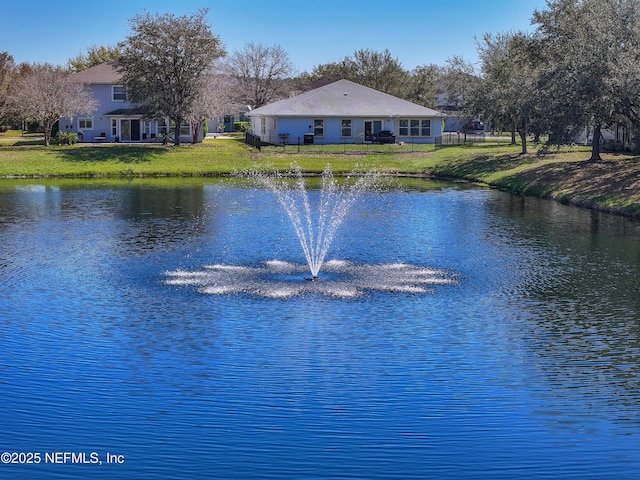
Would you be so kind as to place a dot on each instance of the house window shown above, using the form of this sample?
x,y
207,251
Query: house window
x,y
414,128
403,129
345,130
119,94
318,127
425,128
85,123
263,126
162,127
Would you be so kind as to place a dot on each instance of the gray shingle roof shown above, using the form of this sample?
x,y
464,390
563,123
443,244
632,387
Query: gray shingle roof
x,y
103,73
344,99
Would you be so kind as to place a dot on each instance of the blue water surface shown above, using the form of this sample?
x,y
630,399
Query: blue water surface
x,y
525,366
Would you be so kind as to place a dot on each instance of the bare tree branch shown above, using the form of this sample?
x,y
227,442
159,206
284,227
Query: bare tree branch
x,y
46,93
260,72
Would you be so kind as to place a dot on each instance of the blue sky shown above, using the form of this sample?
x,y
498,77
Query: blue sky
x,y
416,32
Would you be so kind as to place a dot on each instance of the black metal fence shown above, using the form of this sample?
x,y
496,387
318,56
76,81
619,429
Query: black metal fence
x,y
311,144
454,139
253,140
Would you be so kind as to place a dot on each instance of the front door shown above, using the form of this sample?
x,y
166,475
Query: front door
x,y
135,130
371,128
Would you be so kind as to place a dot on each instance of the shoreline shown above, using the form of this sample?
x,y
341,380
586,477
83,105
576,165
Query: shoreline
x,y
566,176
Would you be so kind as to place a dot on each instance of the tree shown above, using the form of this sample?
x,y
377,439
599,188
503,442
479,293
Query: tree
x,y
163,62
214,100
331,71
587,47
378,70
95,56
261,73
627,72
46,93
423,85
7,73
506,90
460,84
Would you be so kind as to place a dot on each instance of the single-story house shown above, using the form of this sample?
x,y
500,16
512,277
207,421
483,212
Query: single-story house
x,y
227,123
345,112
116,119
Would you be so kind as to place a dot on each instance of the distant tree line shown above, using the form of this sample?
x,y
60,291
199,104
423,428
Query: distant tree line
x,y
578,70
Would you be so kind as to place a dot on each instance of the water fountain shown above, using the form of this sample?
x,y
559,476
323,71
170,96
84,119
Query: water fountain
x,y
315,224
315,229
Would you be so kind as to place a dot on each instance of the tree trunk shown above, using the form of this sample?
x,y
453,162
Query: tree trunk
x,y
47,125
595,144
523,138
176,133
195,131
513,135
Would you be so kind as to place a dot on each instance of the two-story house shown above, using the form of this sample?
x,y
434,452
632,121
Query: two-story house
x,y
116,119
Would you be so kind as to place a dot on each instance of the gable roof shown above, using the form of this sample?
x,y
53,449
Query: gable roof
x,y
104,73
344,99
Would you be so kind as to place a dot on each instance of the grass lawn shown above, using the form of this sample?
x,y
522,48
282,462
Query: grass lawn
x,y
566,175
212,157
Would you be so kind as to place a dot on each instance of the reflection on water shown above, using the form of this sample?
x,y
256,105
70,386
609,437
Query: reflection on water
x,y
458,333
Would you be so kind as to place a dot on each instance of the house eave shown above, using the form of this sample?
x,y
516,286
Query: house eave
x,y
126,112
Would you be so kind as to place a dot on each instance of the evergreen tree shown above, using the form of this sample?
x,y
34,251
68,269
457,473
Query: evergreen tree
x,y
590,54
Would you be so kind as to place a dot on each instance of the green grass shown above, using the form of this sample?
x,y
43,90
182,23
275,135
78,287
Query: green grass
x,y
213,157
566,175
17,138
116,160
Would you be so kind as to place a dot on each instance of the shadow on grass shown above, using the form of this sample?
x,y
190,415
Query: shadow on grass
x,y
129,154
27,143
4,142
487,164
588,182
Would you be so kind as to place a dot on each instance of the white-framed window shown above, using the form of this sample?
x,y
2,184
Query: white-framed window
x,y
114,127
163,127
425,128
345,127
85,123
318,127
263,126
413,127
118,93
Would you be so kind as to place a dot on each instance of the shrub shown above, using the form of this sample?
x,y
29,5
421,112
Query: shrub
x,y
241,126
66,138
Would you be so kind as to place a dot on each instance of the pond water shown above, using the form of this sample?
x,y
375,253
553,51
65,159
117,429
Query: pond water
x,y
522,361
